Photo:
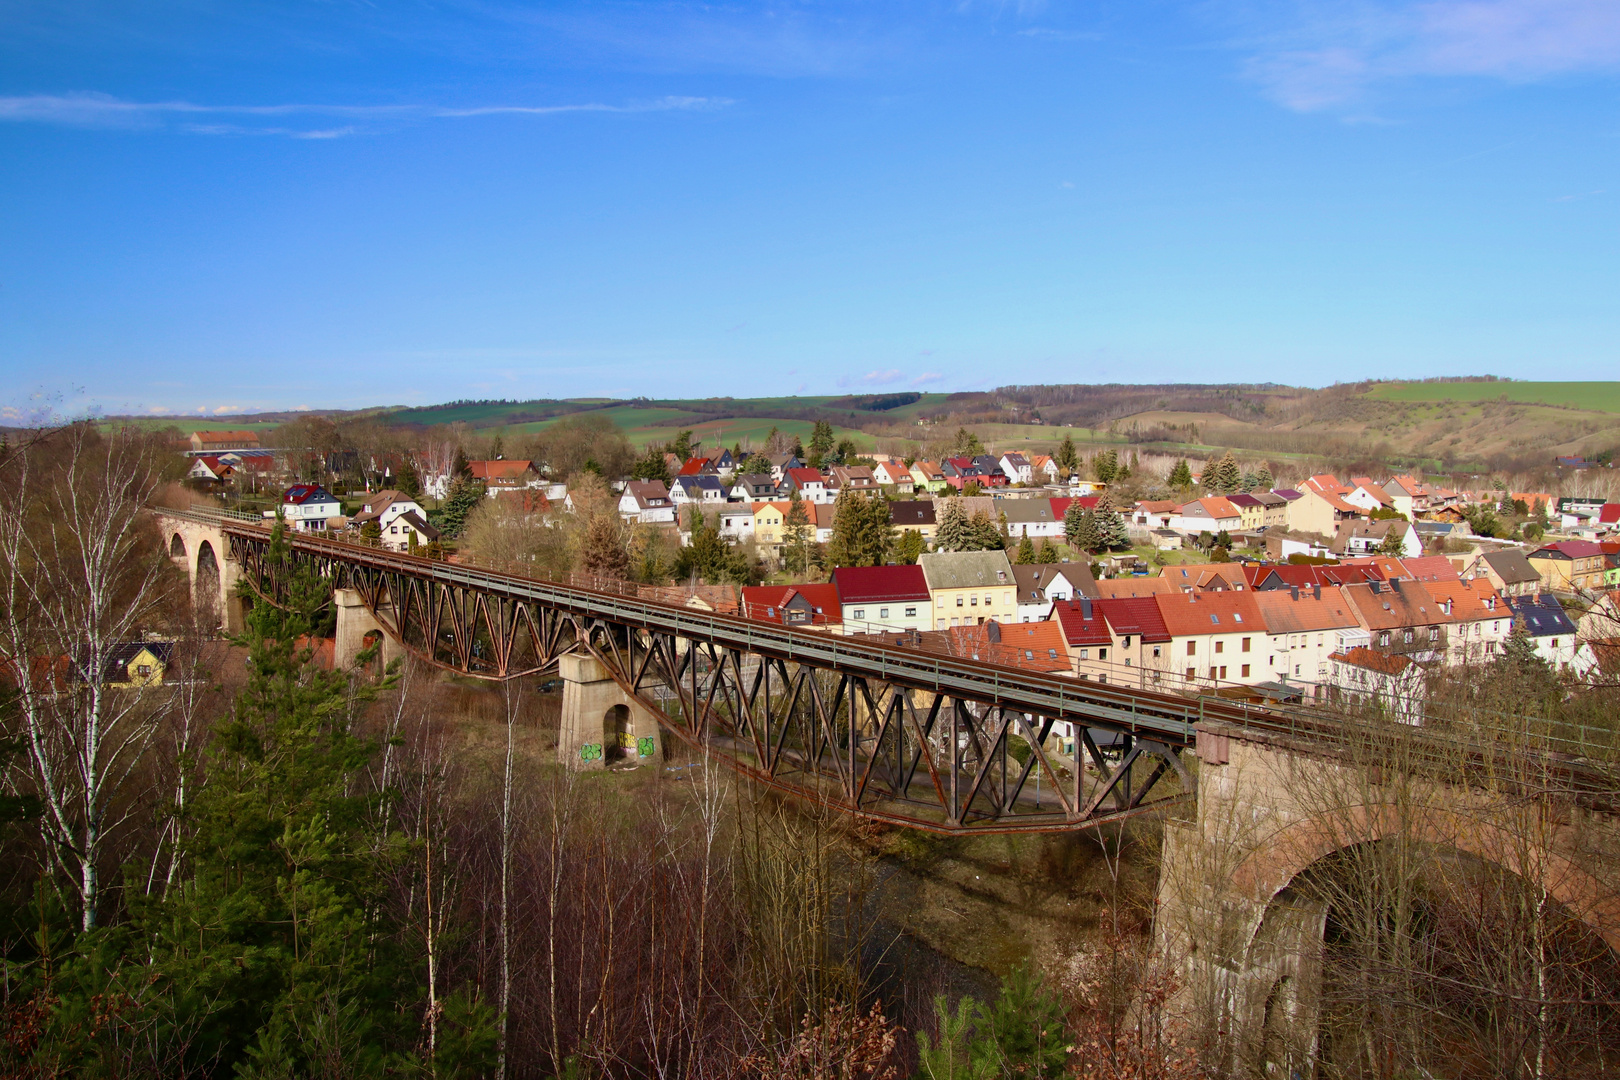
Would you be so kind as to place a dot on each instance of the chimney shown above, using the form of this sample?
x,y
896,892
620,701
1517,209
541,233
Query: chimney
x,y
1085,608
1316,591
992,631
1293,592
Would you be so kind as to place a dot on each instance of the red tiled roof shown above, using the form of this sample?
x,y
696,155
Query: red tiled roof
x,y
1023,645
1191,614
823,599
805,476
1361,656
1134,615
1284,614
1431,568
1077,629
498,470
1609,513
1571,549
877,584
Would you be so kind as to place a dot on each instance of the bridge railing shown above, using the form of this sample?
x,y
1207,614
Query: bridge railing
x,y
1158,714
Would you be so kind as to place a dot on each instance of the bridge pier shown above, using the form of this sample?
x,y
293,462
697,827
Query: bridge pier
x,y
601,724
358,629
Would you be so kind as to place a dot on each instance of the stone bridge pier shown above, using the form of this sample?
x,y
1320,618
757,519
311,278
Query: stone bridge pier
x,y
202,551
1244,932
601,724
358,628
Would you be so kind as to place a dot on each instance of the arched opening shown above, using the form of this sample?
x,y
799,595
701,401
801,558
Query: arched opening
x,y
1387,956
205,584
616,739
177,546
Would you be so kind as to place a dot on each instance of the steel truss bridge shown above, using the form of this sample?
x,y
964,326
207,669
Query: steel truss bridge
x,y
878,731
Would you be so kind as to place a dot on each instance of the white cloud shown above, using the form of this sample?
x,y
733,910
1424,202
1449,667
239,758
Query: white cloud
x,y
1327,53
926,378
103,110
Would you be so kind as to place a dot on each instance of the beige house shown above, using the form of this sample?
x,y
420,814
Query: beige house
x,y
1318,512
970,587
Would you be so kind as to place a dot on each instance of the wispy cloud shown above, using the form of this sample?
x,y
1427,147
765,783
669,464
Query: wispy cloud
x,y
873,378
927,377
1320,54
104,110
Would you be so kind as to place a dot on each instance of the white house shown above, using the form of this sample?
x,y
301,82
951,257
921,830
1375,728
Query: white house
x,y
737,521
811,485
398,516
646,501
1366,677
1017,468
308,507
1557,641
1040,585
1211,514
707,490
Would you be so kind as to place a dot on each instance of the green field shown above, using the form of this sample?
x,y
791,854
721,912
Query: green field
x,y
1592,396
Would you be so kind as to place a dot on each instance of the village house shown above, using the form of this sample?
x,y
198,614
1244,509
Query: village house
x,y
707,490
1155,513
769,524
928,476
1039,585
1367,496
1507,570
218,442
1408,496
752,487
894,474
1545,622
402,523
1031,517
809,483
781,463
1017,468
309,508
503,475
1356,536
810,607
1251,511
1120,641
1478,620
1304,628
1044,468
914,516
970,587
856,478
697,465
1037,647
1317,511
1569,565
1273,510
647,502
1363,676
1401,618
1217,637
1213,514
736,521
882,599
125,665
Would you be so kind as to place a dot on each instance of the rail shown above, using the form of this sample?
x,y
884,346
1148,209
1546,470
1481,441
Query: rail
x,y
1166,717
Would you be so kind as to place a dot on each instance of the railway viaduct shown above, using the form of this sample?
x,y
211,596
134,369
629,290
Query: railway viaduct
x,y
1253,799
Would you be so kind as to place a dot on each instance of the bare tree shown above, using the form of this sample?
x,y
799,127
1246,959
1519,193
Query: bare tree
x,y
80,575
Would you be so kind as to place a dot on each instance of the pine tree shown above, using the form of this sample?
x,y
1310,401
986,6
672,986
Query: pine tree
x,y
1264,481
1248,482
681,446
603,547
1026,551
858,534
985,535
1073,518
797,535
409,481
953,532
1047,555
909,547
821,443
462,468
1111,530
1105,466
463,498
1394,542
1222,477
1088,536
1022,1031
1180,477
966,444
1066,459
1001,527
755,465
651,466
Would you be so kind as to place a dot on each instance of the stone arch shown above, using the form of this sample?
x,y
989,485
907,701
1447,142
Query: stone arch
x,y
616,734
205,579
1280,859
177,546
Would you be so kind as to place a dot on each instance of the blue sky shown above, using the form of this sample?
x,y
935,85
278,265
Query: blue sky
x,y
214,207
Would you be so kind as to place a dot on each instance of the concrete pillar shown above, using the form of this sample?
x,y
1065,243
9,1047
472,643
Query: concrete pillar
x,y
354,623
232,611
601,724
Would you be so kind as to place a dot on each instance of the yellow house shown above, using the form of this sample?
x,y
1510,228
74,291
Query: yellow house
x,y
769,518
970,587
132,664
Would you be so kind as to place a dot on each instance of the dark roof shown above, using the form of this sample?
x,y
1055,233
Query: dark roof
x,y
417,522
299,494
116,660
912,512
878,584
1511,566
1540,616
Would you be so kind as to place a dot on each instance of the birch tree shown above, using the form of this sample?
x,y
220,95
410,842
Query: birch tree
x,y
80,574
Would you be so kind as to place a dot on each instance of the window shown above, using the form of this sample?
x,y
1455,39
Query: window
x,y
1383,638
1192,648
1085,654
989,600
959,601
1155,652
1220,646
911,613
1296,669
1102,654
1223,671
1212,674
974,600
1407,636
883,613
1102,678
1555,643
1190,674
1051,654
146,669
1215,619
1245,671
1029,654
1434,633
858,613
1245,644
1237,616
1127,641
